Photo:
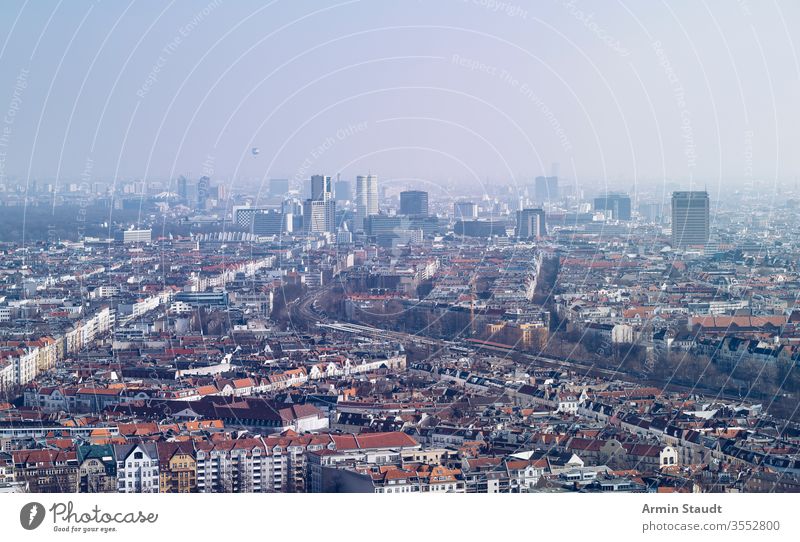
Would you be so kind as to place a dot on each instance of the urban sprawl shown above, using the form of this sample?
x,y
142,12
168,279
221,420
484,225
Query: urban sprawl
x,y
337,336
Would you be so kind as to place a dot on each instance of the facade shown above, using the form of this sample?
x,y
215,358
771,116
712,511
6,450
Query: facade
x,y
321,188
21,365
329,469
177,467
618,205
263,416
390,230
480,228
319,216
235,466
366,199
272,222
530,224
137,468
395,479
203,192
203,298
97,470
690,218
243,216
465,210
137,236
502,475
7,380
414,203
388,225
47,471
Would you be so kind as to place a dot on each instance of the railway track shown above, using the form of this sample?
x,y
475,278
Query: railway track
x,y
305,313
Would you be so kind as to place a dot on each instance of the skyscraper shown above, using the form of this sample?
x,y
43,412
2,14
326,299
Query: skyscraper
x,y
530,224
619,205
321,188
465,210
319,216
690,218
203,188
271,222
183,189
366,199
414,203
372,195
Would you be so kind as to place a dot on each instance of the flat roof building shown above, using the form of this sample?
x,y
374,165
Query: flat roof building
x,y
690,218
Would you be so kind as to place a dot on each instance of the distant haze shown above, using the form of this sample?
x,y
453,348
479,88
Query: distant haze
x,y
693,92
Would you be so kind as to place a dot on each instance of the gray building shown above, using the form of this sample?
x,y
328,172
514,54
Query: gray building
x,y
272,222
321,188
414,203
137,236
319,216
366,199
690,218
480,228
530,224
617,205
465,210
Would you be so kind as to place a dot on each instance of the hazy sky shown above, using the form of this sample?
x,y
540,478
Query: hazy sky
x,y
428,90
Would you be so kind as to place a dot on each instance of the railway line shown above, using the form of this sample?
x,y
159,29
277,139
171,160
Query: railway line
x,y
303,311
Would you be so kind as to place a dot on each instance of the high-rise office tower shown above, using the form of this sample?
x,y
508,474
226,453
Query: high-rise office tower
x,y
690,218
271,222
183,189
546,188
465,210
292,206
366,199
361,203
619,205
319,216
530,224
203,189
372,195
414,203
321,188
279,187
